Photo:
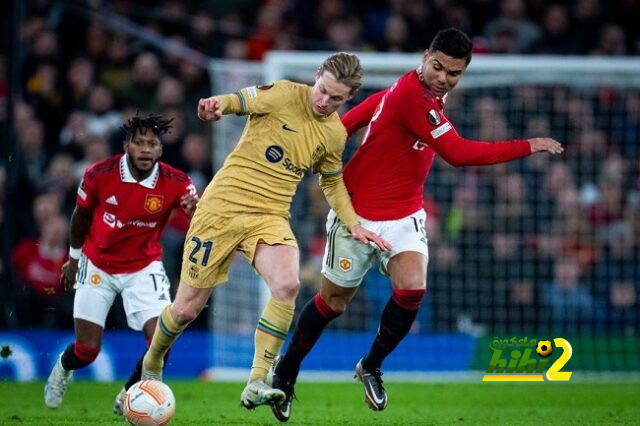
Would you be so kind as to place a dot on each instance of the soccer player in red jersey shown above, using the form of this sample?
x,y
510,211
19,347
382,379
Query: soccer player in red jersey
x,y
385,179
122,205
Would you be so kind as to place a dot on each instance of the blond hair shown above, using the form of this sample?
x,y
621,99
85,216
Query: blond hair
x,y
345,67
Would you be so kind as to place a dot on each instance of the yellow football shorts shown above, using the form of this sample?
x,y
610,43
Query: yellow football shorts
x,y
212,241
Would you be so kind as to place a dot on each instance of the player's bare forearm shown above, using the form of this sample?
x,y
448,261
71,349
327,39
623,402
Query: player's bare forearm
x,y
79,226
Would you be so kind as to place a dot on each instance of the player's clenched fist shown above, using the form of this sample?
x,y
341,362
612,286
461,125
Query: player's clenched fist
x,y
545,145
188,203
209,109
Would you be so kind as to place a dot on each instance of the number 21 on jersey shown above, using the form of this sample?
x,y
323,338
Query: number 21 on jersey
x,y
199,244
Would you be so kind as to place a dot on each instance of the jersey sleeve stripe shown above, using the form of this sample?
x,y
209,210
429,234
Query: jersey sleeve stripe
x,y
243,103
331,174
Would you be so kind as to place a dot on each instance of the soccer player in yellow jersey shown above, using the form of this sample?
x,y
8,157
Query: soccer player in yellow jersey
x,y
291,127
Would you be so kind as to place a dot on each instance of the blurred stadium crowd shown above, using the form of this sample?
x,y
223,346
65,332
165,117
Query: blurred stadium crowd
x,y
547,242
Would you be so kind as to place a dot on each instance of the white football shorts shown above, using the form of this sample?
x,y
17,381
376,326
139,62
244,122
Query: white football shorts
x,y
144,293
347,260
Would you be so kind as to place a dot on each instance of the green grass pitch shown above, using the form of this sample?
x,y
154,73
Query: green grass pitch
x,y
342,404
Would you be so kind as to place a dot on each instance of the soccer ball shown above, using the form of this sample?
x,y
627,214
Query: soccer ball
x,y
149,402
544,348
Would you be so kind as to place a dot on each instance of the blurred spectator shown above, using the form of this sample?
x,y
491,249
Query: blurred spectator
x,y
41,300
32,159
512,210
616,280
266,28
396,35
513,23
609,210
80,77
612,42
61,178
196,159
144,81
345,34
102,119
625,128
556,33
586,152
94,149
74,134
170,93
587,22
96,42
202,36
569,303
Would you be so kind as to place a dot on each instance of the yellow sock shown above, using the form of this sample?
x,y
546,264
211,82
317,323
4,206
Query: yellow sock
x,y
271,333
167,331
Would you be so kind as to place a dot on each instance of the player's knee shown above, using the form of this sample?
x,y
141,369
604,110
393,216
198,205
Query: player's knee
x,y
285,288
184,314
410,282
338,304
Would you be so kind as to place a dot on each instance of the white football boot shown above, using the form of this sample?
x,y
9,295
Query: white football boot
x,y
56,384
118,403
258,392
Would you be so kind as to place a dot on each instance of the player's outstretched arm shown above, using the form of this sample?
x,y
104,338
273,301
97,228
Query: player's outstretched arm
x,y
213,108
545,145
78,230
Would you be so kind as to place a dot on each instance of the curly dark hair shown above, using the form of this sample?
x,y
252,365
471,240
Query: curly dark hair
x,y
156,123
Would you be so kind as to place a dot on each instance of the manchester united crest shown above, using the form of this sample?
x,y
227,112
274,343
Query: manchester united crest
x,y
153,203
95,279
345,264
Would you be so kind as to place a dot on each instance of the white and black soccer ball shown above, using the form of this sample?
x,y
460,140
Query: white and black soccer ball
x,y
149,403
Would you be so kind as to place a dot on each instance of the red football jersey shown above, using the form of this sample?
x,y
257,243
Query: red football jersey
x,y
38,267
128,216
386,176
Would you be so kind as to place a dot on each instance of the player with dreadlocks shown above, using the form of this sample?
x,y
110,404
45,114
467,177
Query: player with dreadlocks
x,y
122,205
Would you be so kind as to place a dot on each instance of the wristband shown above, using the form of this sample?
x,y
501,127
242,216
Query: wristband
x,y
74,253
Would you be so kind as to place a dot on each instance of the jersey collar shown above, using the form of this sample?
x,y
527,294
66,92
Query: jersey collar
x,y
126,176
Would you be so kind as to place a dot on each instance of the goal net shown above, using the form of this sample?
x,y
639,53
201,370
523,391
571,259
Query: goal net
x,y
540,248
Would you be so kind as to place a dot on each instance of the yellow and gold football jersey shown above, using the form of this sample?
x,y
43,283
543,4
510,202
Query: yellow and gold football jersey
x,y
281,140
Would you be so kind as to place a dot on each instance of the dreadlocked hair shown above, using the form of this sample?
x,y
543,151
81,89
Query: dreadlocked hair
x,y
156,123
